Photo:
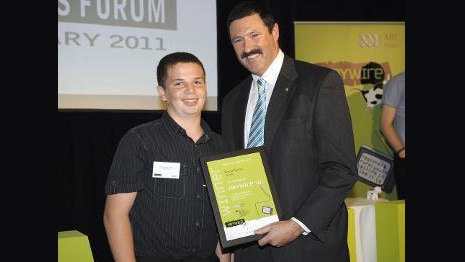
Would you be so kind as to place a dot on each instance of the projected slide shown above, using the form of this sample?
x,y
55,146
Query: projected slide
x,y
108,50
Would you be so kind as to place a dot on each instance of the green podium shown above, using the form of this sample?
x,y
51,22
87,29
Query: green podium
x,y
390,231
376,230
361,234
73,246
351,241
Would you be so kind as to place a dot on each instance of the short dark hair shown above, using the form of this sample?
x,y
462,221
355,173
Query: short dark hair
x,y
248,8
172,59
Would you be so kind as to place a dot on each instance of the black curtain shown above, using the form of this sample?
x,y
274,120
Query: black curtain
x,y
87,140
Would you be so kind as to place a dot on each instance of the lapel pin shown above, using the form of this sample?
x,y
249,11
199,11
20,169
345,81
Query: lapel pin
x,y
286,89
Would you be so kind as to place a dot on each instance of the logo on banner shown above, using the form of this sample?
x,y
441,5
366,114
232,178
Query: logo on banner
x,y
368,40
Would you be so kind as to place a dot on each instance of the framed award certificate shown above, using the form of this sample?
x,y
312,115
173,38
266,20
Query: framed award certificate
x,y
241,193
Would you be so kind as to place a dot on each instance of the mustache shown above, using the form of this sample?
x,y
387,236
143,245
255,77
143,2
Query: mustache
x,y
254,51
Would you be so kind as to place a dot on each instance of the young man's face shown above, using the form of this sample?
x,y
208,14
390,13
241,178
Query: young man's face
x,y
255,46
186,90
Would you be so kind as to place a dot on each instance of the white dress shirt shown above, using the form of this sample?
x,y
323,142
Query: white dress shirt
x,y
270,76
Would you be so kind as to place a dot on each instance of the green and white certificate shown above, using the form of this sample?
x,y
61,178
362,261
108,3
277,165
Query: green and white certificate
x,y
241,194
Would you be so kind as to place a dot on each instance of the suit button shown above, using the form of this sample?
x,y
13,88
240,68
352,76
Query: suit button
x,y
326,228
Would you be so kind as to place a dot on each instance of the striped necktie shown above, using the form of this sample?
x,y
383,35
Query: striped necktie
x,y
257,129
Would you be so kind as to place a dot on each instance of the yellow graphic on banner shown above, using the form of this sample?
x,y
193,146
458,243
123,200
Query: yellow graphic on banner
x,y
366,55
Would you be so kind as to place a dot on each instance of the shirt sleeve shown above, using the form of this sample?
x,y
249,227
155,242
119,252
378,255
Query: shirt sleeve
x,y
128,167
392,93
305,228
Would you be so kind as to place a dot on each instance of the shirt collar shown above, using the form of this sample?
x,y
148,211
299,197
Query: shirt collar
x,y
174,128
207,132
171,125
272,73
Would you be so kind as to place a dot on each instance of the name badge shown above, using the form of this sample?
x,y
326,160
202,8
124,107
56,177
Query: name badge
x,y
169,170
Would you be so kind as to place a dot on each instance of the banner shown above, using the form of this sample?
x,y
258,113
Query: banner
x,y
366,55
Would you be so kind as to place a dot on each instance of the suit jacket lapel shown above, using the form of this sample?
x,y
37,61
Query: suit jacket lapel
x,y
284,89
240,107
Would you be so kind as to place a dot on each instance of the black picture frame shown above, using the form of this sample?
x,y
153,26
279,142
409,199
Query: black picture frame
x,y
375,168
213,198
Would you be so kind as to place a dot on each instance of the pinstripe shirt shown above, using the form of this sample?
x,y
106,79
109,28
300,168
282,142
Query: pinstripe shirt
x,y
170,217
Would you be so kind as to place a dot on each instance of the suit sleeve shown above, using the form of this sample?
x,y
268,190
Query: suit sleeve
x,y
336,156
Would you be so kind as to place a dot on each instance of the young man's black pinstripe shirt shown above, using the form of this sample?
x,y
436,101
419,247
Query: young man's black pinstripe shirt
x,y
170,217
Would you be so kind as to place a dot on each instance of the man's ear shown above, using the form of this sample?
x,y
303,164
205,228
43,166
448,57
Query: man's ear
x,y
275,31
161,93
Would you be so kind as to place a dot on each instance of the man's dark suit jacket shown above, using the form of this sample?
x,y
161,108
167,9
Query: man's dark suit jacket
x,y
310,148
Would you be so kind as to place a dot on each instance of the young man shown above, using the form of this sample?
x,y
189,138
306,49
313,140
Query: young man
x,y
157,207
307,136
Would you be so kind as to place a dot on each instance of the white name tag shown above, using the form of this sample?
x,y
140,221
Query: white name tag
x,y
166,170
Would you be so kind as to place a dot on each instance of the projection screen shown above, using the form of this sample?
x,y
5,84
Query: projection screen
x,y
108,50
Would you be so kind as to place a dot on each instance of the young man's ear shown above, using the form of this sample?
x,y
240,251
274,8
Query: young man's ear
x,y
161,93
